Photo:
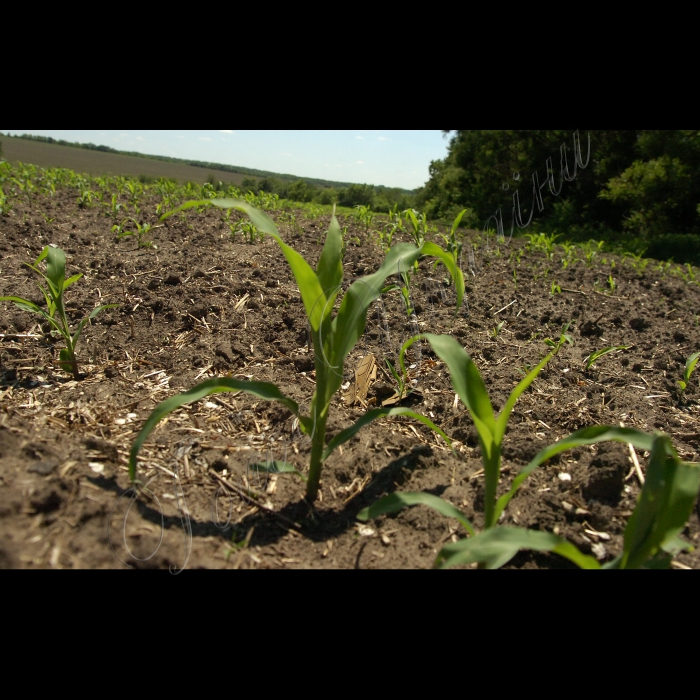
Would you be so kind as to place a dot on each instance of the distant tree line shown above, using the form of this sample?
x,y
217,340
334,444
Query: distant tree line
x,y
287,186
380,199
642,185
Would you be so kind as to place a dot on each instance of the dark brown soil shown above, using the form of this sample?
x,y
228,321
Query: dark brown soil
x,y
64,490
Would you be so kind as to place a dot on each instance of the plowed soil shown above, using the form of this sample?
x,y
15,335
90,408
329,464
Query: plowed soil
x,y
200,305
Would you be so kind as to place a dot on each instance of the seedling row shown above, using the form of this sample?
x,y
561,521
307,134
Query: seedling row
x,y
438,308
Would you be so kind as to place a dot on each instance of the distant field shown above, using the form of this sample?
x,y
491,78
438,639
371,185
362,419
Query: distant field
x,y
97,163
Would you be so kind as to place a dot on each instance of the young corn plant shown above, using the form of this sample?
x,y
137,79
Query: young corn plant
x,y
638,261
333,337
55,312
690,366
419,226
652,536
5,205
453,244
405,292
140,232
495,332
594,357
543,243
470,387
249,231
391,228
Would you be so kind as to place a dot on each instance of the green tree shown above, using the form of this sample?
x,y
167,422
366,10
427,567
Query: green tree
x,y
356,196
250,184
300,191
640,182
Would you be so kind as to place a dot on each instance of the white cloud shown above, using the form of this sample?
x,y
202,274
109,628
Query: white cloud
x,y
226,131
204,138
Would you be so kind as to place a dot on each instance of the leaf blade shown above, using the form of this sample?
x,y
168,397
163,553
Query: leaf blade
x,y
261,390
664,508
585,437
497,546
396,502
374,415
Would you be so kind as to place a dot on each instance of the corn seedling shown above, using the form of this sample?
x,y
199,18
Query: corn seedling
x,y
250,232
419,226
497,330
333,337
405,292
454,245
556,289
652,535
594,357
140,232
364,216
116,207
591,250
690,366
688,277
638,262
86,198
5,206
55,313
469,386
612,284
391,228
401,384
664,267
543,243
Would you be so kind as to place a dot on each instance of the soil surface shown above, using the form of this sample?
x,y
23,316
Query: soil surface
x,y
200,306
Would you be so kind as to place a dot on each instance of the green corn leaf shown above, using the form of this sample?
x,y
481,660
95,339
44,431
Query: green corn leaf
x,y
24,304
494,548
330,265
458,221
56,270
601,353
31,307
350,323
261,390
312,293
504,417
690,366
92,315
664,508
466,381
262,221
42,256
448,260
587,436
396,502
67,360
276,468
371,416
71,281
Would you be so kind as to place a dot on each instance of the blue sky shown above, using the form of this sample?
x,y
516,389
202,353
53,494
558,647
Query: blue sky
x,y
391,157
